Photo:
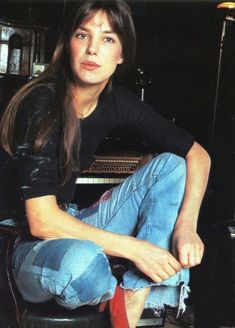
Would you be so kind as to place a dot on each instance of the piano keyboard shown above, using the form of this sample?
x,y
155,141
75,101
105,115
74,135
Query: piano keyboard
x,y
114,164
110,169
93,180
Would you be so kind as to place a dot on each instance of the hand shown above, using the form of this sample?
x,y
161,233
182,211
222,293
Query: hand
x,y
187,246
155,262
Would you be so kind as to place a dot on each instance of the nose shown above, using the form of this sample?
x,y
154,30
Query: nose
x,y
92,48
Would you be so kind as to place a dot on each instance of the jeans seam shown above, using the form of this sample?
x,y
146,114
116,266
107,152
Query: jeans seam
x,y
136,188
167,173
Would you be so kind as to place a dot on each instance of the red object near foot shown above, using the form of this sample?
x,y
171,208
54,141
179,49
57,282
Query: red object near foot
x,y
117,309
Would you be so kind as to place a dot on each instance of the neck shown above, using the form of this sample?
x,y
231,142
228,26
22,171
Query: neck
x,y
85,99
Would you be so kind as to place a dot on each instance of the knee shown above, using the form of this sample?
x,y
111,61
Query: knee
x,y
94,282
172,163
172,158
86,273
178,163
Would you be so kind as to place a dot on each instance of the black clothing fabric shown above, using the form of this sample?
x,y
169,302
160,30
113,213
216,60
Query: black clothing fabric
x,y
38,170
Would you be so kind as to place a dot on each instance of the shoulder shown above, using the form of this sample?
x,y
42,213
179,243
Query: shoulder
x,y
128,103
35,112
39,95
37,101
122,94
125,101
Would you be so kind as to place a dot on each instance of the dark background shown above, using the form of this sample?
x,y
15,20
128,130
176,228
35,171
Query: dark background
x,y
178,49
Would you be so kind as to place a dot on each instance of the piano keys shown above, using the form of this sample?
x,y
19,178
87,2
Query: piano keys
x,y
113,169
98,180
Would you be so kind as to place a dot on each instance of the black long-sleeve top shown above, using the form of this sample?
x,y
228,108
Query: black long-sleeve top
x,y
38,171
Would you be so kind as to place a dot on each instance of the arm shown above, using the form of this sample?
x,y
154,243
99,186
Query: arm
x,y
187,245
48,221
161,135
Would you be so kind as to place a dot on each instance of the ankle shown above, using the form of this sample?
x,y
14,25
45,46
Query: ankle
x,y
134,303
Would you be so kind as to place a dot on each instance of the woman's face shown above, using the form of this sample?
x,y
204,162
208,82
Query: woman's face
x,y
95,51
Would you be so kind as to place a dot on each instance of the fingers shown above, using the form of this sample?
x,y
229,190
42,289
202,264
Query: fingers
x,y
157,263
191,255
163,274
187,246
157,277
188,257
166,270
174,264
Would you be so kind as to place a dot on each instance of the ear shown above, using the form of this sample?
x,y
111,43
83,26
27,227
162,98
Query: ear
x,y
120,60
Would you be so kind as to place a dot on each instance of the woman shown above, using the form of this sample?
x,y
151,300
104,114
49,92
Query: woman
x,y
149,220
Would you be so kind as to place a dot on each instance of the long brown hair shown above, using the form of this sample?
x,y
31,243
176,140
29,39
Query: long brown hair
x,y
59,77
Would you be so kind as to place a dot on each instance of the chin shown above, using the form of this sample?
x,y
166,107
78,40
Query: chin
x,y
93,77
90,81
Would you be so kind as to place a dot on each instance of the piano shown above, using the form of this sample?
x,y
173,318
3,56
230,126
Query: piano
x,y
107,171
111,169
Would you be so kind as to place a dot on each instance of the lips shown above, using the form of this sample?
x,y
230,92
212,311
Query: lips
x,y
89,65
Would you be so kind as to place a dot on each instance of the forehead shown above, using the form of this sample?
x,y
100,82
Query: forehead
x,y
99,20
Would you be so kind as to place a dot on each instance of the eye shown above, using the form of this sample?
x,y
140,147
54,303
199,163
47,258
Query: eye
x,y
108,39
80,35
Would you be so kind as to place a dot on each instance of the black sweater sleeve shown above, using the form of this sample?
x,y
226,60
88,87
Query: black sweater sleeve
x,y
157,132
37,170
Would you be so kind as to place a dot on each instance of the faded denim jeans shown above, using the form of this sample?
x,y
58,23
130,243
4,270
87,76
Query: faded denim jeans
x,y
77,272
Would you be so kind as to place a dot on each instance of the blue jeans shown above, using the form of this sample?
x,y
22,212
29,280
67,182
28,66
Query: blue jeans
x,y
77,272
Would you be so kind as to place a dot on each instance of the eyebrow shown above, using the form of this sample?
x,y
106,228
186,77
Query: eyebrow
x,y
88,30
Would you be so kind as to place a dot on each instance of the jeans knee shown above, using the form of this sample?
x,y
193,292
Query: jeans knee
x,y
85,273
179,163
95,281
173,164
